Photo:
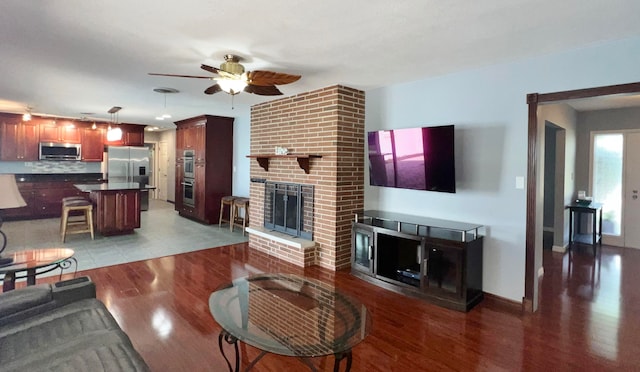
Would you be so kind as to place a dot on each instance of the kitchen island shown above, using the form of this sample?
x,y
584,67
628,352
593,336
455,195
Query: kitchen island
x,y
117,206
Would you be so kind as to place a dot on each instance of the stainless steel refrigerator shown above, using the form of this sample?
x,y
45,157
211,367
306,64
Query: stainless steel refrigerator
x,y
130,164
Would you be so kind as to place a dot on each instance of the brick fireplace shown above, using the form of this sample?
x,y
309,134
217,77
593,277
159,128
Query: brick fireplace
x,y
328,122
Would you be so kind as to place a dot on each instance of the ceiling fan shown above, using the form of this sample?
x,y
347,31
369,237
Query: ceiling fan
x,y
233,79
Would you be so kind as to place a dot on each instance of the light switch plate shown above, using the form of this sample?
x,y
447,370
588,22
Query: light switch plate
x,y
519,182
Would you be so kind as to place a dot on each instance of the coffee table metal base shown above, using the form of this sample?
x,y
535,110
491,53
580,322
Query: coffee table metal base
x,y
231,340
9,280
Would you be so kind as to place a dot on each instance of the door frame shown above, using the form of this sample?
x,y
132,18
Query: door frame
x,y
530,300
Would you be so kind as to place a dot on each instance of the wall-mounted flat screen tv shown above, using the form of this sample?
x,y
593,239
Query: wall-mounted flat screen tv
x,y
413,158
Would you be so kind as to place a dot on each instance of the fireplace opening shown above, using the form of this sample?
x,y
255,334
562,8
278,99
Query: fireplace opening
x,y
288,208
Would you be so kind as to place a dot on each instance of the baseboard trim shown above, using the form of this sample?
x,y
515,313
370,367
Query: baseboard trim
x,y
560,249
503,304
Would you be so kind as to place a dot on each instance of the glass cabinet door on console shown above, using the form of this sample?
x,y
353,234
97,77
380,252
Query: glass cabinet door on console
x,y
362,255
443,270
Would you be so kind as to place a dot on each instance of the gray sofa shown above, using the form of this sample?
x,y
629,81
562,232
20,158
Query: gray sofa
x,y
62,327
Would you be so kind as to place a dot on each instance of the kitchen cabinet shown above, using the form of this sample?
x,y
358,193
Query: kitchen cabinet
x,y
63,131
47,198
92,144
132,135
43,194
211,138
117,211
18,140
179,185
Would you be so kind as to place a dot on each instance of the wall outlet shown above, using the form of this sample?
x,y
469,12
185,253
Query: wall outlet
x,y
28,164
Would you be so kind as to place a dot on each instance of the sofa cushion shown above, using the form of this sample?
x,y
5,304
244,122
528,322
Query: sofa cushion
x,y
14,302
80,336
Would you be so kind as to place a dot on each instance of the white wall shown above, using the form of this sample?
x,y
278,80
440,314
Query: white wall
x,y
488,107
241,148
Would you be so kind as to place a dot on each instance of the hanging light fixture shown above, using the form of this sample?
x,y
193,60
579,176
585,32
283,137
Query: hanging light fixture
x,y
27,115
165,114
114,134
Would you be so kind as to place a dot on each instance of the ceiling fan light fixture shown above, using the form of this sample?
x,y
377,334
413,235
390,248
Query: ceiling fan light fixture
x,y
232,86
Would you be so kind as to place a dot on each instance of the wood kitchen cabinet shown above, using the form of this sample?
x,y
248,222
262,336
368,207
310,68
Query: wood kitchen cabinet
x,y
132,135
117,211
47,198
211,138
18,140
179,185
43,195
63,131
92,144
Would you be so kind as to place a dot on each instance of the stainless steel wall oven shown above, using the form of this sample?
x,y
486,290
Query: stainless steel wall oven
x,y
189,164
188,192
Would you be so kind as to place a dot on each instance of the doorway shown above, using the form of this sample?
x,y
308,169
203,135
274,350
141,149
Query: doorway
x,y
153,178
631,193
163,169
554,187
535,187
615,181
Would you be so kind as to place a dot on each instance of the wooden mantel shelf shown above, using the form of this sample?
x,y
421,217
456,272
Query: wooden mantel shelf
x,y
303,160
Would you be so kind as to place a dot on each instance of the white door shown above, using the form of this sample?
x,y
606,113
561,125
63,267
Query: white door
x,y
631,191
163,167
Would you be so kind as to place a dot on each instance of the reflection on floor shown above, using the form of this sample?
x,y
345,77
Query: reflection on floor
x,y
162,233
593,303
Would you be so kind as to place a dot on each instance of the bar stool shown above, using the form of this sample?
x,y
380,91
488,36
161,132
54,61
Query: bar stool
x,y
67,200
71,226
226,200
238,204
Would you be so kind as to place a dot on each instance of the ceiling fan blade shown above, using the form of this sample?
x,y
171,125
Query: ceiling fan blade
x,y
184,76
209,68
265,78
263,90
215,88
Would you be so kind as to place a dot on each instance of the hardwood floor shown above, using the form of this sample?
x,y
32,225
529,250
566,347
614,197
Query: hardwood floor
x,y
588,319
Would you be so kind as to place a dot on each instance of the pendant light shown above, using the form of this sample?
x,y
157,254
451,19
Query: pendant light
x,y
114,134
165,114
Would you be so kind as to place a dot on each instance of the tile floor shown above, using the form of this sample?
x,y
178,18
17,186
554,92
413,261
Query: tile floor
x,y
162,233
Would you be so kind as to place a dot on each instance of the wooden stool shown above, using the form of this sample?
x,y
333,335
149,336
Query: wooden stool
x,y
67,200
226,200
73,198
85,225
240,203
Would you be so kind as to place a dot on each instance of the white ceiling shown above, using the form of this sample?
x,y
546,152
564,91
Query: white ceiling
x,y
70,57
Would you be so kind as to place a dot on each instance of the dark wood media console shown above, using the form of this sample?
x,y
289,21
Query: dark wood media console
x,y
433,259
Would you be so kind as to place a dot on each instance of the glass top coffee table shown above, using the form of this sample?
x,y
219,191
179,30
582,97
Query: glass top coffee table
x,y
288,315
35,262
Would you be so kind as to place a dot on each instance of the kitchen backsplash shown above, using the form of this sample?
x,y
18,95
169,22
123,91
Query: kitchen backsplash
x,y
49,167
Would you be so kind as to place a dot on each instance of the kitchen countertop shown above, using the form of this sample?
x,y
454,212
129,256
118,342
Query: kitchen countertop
x,y
60,177
112,186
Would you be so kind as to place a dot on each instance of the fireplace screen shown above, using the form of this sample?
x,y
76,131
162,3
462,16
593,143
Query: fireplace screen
x,y
288,208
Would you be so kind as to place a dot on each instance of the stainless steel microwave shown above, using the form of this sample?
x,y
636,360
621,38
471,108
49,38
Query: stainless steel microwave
x,y
60,151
